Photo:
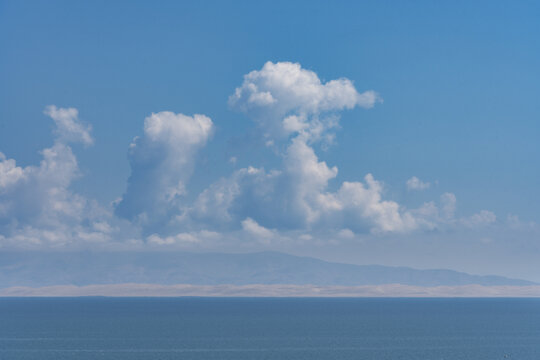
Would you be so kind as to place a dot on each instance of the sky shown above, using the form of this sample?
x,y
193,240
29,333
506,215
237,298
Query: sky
x,y
388,132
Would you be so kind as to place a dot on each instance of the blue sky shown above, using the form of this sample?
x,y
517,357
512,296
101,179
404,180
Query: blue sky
x,y
456,107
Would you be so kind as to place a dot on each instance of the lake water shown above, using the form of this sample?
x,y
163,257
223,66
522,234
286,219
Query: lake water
x,y
251,328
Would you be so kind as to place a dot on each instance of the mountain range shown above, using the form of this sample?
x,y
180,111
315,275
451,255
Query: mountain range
x,y
37,269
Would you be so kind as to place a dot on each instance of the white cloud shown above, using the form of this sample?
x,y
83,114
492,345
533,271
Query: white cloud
x,y
448,208
289,102
514,222
297,197
287,86
289,198
184,238
247,192
102,227
286,99
480,219
162,161
68,126
427,216
37,205
415,183
10,173
260,233
300,198
365,203
346,234
307,180
305,237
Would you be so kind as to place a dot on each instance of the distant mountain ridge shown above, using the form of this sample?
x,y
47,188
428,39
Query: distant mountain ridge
x,y
84,268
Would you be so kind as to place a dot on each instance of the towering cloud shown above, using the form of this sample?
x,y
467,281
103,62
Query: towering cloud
x,y
292,104
162,162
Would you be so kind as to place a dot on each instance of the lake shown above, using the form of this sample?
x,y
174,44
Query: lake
x,y
269,328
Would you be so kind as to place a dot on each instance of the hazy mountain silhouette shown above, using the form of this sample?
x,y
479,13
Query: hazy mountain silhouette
x,y
84,268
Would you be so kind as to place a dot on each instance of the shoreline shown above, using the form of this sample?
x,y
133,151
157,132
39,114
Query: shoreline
x,y
274,290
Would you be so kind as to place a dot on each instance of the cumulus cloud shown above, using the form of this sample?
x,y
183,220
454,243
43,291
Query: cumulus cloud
x,y
346,234
10,173
415,183
162,162
283,98
448,205
184,238
288,198
364,203
480,219
247,192
259,232
308,180
289,102
287,86
37,205
513,221
300,197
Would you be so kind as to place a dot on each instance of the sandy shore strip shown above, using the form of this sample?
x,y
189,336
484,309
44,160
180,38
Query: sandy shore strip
x,y
258,290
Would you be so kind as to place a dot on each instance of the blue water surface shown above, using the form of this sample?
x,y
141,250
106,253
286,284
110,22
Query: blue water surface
x,y
268,328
